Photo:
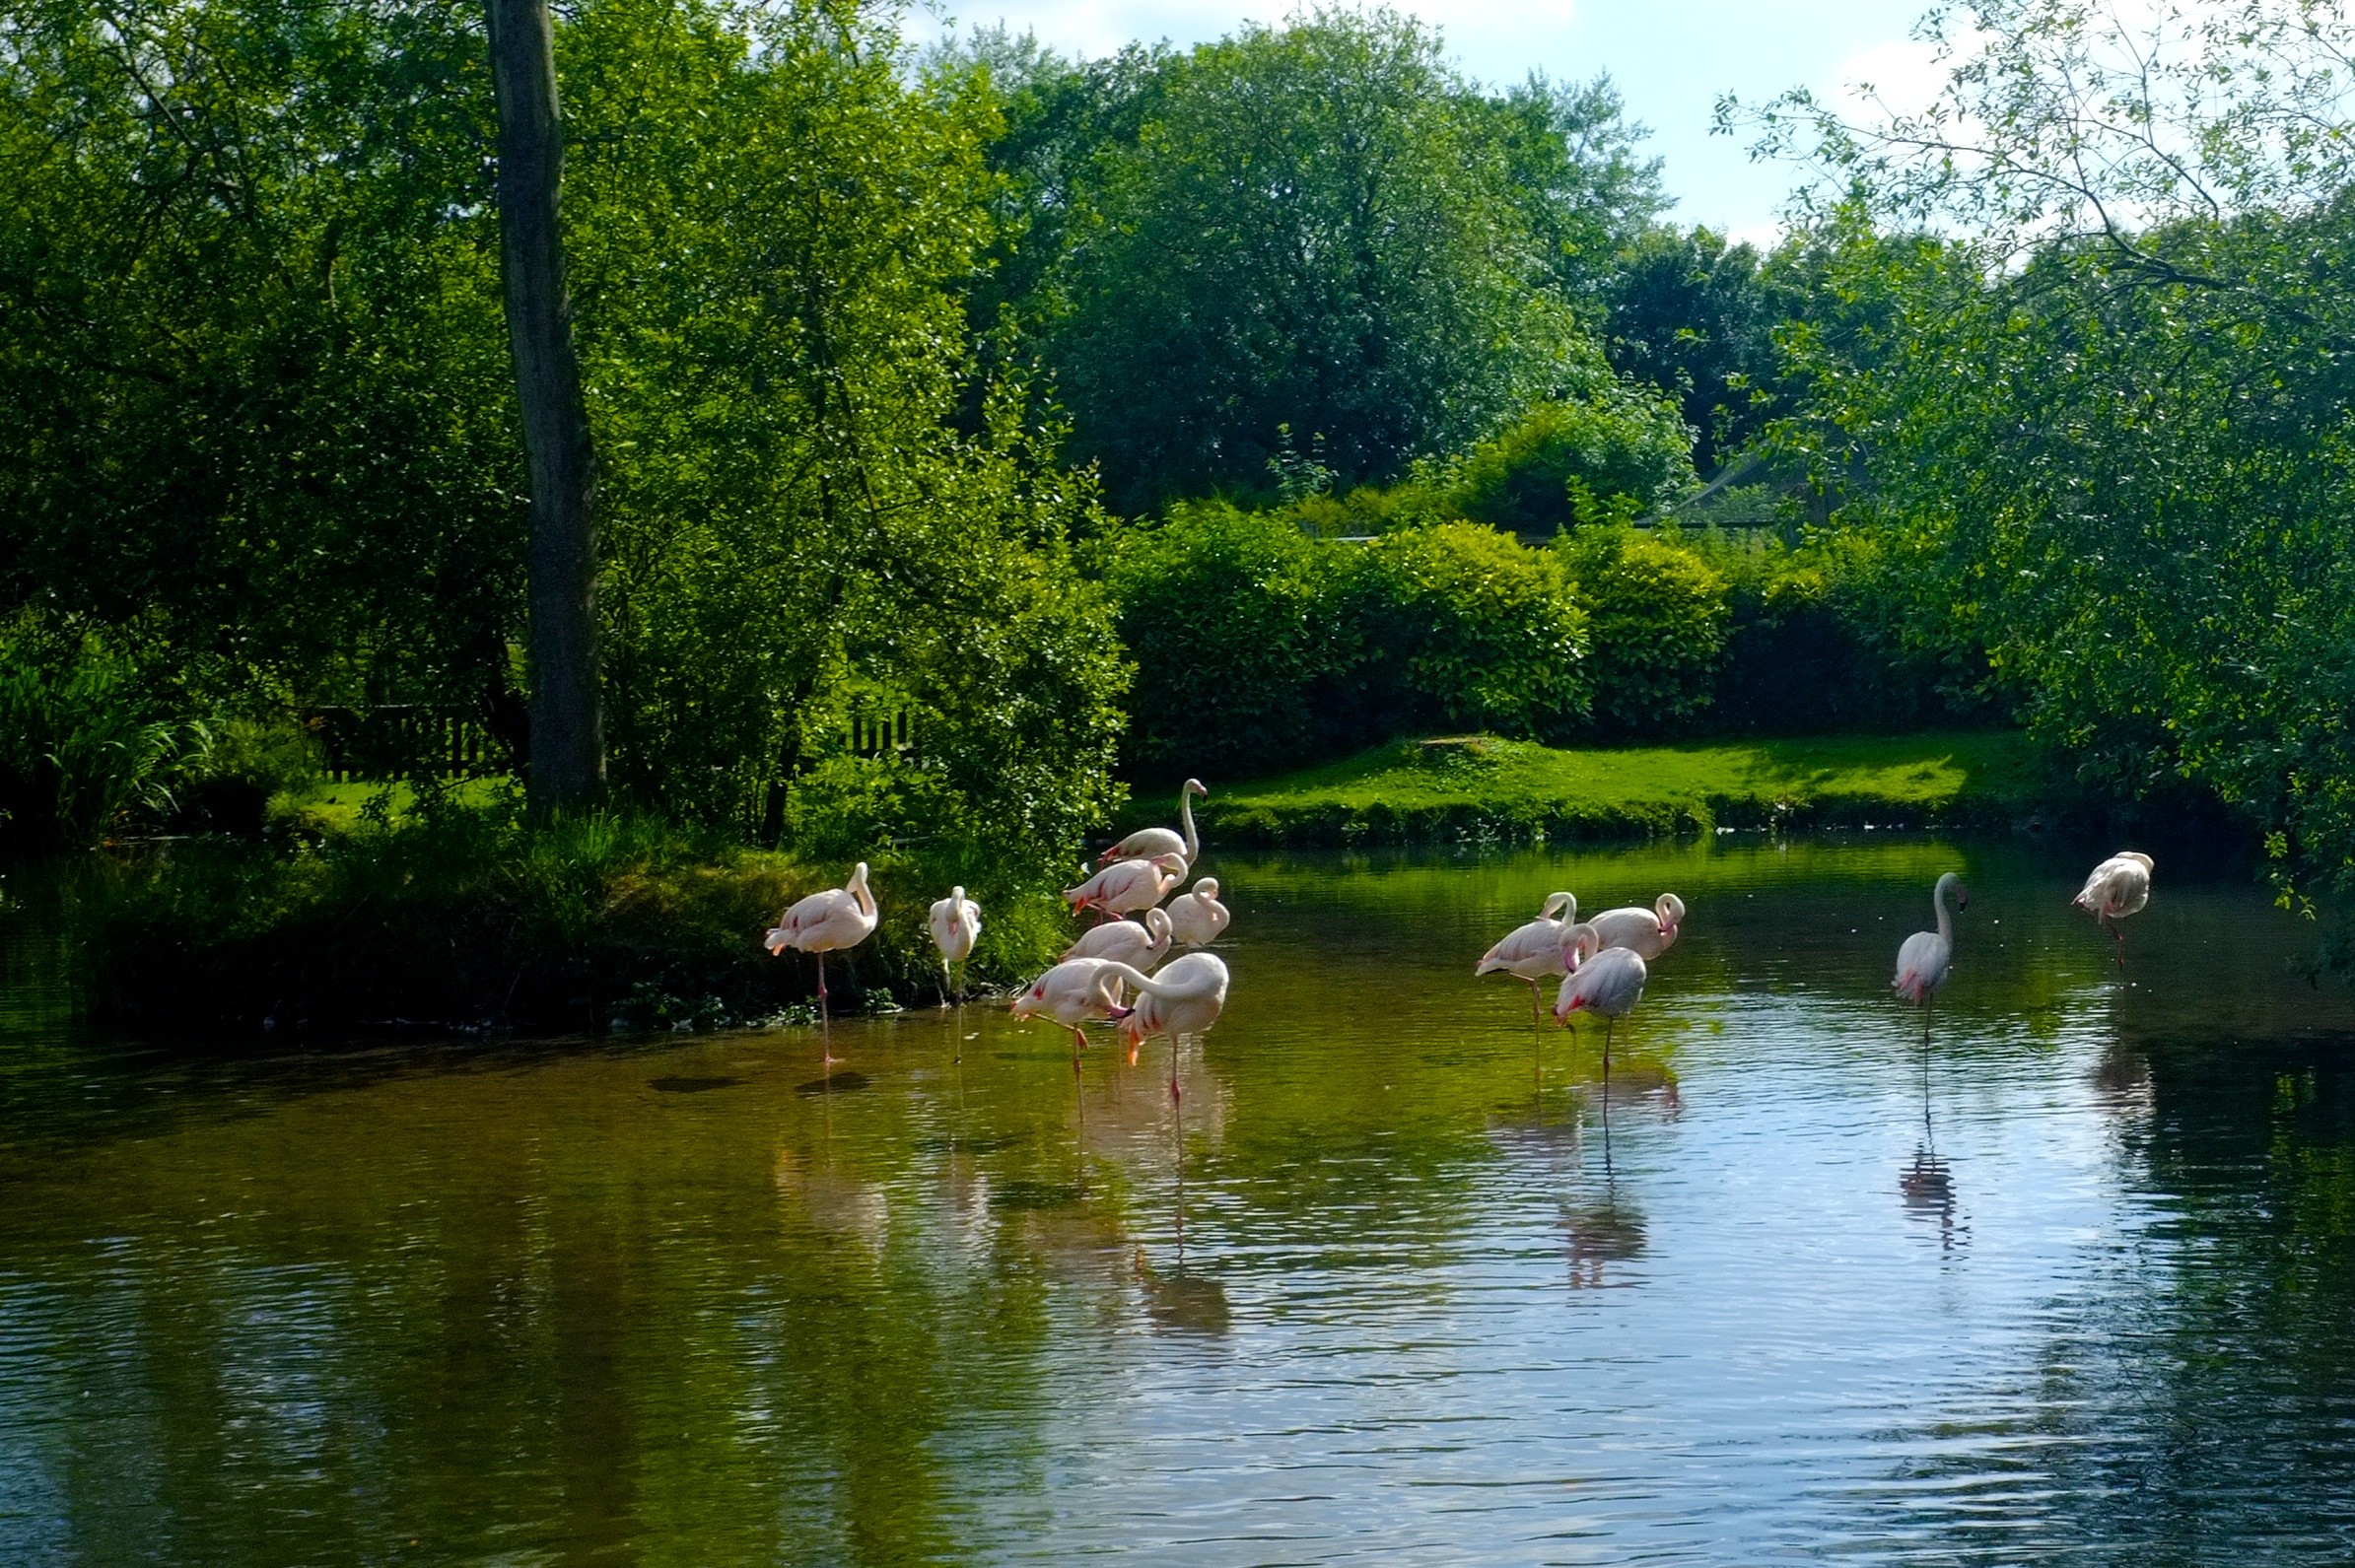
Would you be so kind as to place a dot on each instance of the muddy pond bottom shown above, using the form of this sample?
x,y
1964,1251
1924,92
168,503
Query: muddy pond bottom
x,y
1399,1280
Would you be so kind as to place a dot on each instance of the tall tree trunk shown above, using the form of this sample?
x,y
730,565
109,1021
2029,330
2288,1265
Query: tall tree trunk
x,y
568,732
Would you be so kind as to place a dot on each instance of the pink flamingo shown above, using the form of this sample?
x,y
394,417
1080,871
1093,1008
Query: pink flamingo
x,y
1126,941
2118,887
1071,993
956,925
1606,982
1922,962
1127,886
825,923
1149,843
1534,952
1198,918
1650,933
1185,998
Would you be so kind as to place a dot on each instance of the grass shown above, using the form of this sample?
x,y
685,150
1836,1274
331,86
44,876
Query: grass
x,y
1480,787
457,915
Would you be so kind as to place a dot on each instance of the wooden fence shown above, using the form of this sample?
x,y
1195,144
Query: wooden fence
x,y
405,740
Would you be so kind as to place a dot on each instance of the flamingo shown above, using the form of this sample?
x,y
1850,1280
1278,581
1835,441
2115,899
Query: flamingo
x,y
1127,886
1922,962
1149,843
1534,952
955,922
1127,942
2118,887
1070,993
1650,933
1607,982
1185,998
825,923
1197,916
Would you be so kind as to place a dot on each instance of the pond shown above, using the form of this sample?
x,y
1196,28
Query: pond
x,y
1408,1286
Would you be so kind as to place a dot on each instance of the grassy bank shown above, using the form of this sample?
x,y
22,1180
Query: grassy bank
x,y
461,918
1483,788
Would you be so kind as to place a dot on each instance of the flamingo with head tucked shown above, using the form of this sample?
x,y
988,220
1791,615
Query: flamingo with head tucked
x,y
1142,946
1650,933
1148,843
1128,886
1198,918
827,922
1534,952
1185,998
1071,993
1605,982
2118,887
956,925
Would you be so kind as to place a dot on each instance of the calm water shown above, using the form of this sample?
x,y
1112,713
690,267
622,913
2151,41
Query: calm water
x,y
1416,1292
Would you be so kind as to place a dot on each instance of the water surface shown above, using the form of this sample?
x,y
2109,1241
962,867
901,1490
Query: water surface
x,y
1417,1289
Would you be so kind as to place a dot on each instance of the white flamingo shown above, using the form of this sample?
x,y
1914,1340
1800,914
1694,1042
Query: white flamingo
x,y
1146,843
1128,886
1142,946
1606,982
956,925
1534,952
1650,933
825,923
2118,887
1922,962
1198,918
1185,998
1071,993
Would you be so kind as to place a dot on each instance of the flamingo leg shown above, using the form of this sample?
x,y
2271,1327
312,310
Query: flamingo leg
x,y
947,982
826,1019
1608,1025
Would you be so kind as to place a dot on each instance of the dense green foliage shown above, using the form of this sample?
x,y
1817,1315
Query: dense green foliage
x,y
2115,455
257,396
1314,242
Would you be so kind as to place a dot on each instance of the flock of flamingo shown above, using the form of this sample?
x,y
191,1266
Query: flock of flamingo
x,y
1120,970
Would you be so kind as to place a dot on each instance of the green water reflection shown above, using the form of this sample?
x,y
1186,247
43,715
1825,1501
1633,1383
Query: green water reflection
x,y
1414,1289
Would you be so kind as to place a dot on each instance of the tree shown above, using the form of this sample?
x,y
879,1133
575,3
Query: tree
x,y
1695,316
2104,419
568,740
1575,172
1315,228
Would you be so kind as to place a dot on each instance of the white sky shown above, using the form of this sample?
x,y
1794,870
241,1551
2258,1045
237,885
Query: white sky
x,y
1670,62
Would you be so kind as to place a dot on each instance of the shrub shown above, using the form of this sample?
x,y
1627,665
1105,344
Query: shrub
x,y
1227,615
1658,615
87,737
1620,446
1813,645
1464,628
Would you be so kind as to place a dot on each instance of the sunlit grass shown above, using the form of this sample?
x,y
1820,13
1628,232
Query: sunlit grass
x,y
1479,784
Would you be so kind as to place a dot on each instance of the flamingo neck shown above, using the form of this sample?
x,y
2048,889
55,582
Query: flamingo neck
x,y
1946,919
1186,820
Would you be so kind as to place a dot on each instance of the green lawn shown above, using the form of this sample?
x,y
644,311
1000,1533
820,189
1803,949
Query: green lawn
x,y
1481,786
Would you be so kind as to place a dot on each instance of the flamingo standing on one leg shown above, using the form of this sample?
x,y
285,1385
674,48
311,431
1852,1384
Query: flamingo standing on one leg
x,y
1128,886
1071,993
825,923
956,925
1142,946
1198,918
1534,952
1185,998
1146,843
1922,962
1607,982
1650,933
2118,887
